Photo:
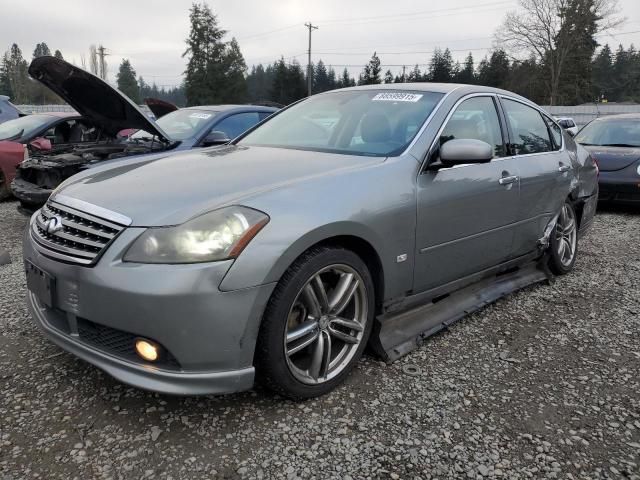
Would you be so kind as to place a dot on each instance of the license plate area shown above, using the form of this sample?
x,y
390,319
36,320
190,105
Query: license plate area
x,y
40,283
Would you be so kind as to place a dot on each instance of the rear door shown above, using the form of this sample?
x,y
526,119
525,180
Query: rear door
x,y
545,170
466,213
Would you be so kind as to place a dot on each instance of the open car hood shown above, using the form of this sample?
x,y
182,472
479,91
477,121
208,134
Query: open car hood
x,y
159,107
92,97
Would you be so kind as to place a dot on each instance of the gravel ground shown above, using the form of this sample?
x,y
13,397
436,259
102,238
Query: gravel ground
x,y
543,384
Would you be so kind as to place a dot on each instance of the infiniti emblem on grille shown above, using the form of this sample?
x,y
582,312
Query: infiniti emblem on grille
x,y
54,224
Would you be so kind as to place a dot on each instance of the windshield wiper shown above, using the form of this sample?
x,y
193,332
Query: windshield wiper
x,y
619,145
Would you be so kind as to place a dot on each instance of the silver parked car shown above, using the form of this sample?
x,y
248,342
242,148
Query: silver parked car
x,y
375,214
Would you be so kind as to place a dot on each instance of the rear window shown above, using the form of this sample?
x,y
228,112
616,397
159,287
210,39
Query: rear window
x,y
613,133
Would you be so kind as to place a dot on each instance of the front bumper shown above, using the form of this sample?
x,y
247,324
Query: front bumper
x,y
28,193
208,334
621,186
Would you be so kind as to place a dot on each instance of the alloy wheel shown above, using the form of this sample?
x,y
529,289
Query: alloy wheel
x,y
566,235
326,324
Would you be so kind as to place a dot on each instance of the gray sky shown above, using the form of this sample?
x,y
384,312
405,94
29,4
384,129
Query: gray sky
x,y
151,33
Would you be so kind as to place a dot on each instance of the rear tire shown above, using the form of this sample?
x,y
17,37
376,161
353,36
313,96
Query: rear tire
x,y
316,324
563,244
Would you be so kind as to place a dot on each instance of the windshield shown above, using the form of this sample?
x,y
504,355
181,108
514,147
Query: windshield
x,y
181,124
612,133
357,122
23,127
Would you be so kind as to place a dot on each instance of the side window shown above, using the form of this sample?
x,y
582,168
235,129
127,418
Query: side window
x,y
556,132
529,132
236,124
476,118
263,115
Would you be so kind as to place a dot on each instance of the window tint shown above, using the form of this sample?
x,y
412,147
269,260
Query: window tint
x,y
477,119
237,124
529,132
556,133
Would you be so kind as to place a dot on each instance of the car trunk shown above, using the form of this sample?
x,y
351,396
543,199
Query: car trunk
x,y
611,159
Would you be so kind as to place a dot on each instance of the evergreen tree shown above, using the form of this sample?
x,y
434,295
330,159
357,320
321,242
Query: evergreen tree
x,y
388,77
320,78
346,80
41,50
466,74
415,75
259,83
18,76
5,80
204,76
578,29
58,55
601,76
332,81
441,68
495,71
127,83
371,73
234,86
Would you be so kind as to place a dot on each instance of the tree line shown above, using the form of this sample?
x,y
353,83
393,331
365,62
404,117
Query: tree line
x,y
565,65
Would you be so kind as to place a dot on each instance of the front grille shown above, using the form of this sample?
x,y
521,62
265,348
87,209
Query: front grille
x,y
81,238
119,343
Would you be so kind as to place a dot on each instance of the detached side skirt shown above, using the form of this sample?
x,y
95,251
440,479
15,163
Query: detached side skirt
x,y
396,334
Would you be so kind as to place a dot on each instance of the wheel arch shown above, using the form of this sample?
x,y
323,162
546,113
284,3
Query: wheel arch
x,y
352,236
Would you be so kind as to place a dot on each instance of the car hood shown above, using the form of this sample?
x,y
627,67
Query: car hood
x,y
174,188
158,107
92,97
613,158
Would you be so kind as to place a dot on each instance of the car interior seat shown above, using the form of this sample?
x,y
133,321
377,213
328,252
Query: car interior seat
x,y
61,133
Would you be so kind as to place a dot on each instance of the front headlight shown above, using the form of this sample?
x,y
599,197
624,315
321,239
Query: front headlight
x,y
217,235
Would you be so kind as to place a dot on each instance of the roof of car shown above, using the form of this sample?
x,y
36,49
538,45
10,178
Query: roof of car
x,y
224,108
435,87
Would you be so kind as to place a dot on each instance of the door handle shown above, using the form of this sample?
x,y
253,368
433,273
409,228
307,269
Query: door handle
x,y
508,180
563,168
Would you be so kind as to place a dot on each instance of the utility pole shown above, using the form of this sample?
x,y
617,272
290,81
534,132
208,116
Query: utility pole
x,y
102,64
311,27
404,79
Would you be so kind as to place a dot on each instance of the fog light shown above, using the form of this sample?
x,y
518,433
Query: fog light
x,y
147,350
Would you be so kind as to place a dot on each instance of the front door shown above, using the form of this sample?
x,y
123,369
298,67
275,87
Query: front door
x,y
466,213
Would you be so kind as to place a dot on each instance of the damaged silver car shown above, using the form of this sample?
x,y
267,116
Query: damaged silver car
x,y
374,214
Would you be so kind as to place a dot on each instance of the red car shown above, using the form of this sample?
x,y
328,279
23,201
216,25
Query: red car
x,y
43,131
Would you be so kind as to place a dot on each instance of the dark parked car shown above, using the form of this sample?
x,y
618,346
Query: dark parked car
x,y
382,212
110,113
8,111
614,142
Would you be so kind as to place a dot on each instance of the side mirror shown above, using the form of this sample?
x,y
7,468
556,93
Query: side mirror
x,y
215,137
461,151
41,144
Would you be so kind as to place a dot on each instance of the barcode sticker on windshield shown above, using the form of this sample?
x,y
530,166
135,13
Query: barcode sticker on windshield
x,y
397,97
204,116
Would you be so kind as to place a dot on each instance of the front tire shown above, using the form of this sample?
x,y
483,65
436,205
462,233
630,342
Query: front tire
x,y
563,245
316,324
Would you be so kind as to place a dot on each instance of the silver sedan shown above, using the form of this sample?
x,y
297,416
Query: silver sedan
x,y
371,215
